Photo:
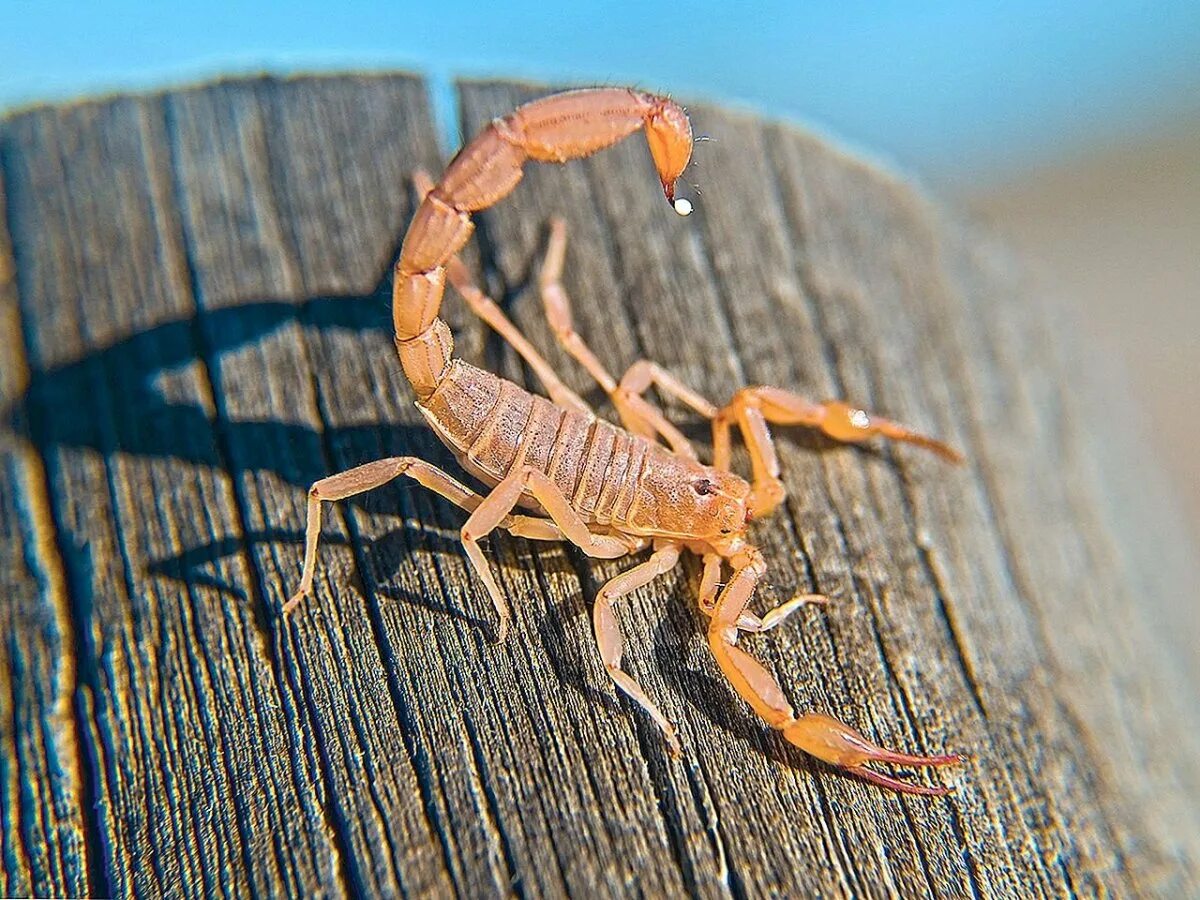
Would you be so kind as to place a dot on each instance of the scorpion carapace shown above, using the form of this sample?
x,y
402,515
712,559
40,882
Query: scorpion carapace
x,y
557,472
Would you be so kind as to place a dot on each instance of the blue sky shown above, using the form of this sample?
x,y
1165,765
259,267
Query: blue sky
x,y
948,89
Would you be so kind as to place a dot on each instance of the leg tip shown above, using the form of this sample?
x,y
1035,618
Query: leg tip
x,y
780,614
673,746
938,448
819,599
292,603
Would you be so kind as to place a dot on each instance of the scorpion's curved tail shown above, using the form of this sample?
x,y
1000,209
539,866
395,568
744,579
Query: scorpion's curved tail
x,y
553,129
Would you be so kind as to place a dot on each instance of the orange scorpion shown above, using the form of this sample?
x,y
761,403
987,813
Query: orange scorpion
x,y
610,491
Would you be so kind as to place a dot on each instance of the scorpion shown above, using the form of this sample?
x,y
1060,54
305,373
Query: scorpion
x,y
557,472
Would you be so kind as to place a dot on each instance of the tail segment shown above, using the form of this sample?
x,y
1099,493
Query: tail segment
x,y
558,128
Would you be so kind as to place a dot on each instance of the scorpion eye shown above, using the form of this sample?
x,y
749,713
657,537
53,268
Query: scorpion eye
x,y
704,487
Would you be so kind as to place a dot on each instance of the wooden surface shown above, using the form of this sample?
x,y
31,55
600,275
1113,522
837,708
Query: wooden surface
x,y
194,326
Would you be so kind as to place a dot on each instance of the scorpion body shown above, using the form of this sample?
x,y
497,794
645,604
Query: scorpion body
x,y
557,472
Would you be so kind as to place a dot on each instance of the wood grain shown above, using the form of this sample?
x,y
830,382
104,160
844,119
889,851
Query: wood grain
x,y
194,326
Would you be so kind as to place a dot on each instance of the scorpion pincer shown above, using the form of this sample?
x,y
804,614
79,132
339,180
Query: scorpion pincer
x,y
555,471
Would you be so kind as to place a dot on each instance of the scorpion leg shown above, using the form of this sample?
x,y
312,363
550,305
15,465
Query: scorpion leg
x,y
748,621
752,408
490,312
495,508
818,735
375,474
643,374
608,632
637,414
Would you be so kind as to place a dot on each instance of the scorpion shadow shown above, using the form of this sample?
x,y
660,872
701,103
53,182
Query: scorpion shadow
x,y
112,401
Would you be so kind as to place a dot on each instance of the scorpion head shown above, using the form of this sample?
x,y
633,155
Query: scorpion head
x,y
695,503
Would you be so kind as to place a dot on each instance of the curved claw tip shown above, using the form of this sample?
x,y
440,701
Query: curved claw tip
x,y
895,784
906,787
879,754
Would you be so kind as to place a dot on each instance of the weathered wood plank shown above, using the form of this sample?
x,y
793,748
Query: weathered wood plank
x,y
201,295
43,836
190,731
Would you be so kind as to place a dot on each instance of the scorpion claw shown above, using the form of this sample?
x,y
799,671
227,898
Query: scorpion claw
x,y
840,745
558,128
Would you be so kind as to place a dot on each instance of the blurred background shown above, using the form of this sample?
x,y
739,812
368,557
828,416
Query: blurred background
x,y
1073,129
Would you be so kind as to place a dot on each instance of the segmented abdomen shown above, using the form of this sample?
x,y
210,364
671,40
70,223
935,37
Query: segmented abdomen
x,y
493,426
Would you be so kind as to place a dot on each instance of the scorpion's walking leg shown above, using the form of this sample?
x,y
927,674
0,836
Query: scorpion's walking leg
x,y
608,632
818,735
490,312
637,414
753,407
710,586
495,508
644,373
375,474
